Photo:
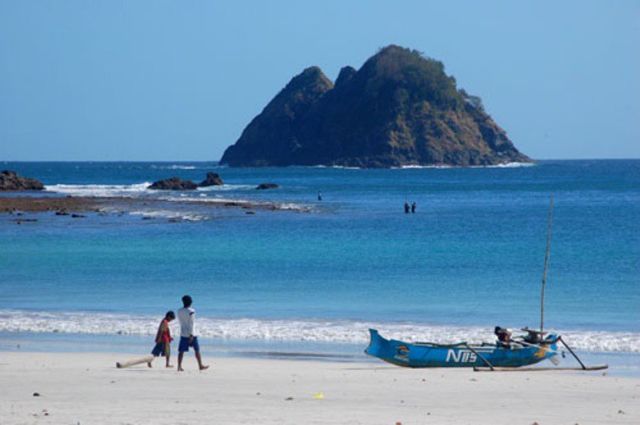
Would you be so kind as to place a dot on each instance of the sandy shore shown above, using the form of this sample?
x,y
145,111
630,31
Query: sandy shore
x,y
86,388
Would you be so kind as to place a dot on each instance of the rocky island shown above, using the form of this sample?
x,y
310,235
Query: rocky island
x,y
400,108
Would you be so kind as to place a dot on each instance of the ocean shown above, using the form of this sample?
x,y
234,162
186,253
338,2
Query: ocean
x,y
312,276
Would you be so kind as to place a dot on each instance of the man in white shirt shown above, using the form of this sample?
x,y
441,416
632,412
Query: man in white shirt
x,y
188,338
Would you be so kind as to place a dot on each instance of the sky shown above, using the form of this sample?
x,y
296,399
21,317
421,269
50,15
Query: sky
x,y
179,80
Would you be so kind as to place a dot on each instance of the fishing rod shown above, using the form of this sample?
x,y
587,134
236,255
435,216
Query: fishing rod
x,y
546,264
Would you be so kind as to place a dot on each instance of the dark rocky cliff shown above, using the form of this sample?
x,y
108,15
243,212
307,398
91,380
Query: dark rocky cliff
x,y
399,108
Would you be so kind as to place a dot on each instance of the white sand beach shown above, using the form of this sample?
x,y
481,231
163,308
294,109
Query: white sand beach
x,y
86,388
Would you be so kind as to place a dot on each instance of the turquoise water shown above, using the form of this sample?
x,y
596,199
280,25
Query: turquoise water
x,y
324,271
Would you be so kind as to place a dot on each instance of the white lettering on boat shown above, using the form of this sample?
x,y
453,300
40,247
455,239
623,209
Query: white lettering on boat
x,y
460,356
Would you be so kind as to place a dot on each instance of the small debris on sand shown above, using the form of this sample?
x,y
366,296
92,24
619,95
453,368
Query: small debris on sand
x,y
36,394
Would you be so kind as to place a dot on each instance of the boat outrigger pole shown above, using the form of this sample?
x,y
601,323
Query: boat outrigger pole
x,y
546,265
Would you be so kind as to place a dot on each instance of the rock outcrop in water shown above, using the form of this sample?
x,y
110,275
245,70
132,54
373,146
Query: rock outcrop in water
x,y
176,183
399,108
212,179
173,183
265,186
12,181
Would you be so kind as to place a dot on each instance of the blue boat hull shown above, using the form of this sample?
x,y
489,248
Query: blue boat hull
x,y
420,355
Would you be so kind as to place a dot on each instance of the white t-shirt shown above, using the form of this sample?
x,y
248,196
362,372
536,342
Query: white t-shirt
x,y
187,318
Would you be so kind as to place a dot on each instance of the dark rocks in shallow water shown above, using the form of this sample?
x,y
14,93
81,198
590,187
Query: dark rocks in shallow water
x,y
11,181
212,179
400,108
25,220
174,183
264,186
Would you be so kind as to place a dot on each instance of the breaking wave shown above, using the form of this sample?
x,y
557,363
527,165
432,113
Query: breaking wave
x,y
336,331
508,165
171,215
284,206
226,187
446,167
174,167
99,190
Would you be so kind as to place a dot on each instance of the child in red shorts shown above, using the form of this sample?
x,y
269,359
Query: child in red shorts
x,y
163,339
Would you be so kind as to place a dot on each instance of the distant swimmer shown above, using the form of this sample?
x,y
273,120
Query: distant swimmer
x,y
407,208
413,208
319,196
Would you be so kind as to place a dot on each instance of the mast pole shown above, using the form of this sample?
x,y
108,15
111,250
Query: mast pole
x,y
546,264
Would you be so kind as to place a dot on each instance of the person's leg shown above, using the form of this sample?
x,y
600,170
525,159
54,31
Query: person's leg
x,y
199,358
180,356
196,349
157,351
184,346
167,354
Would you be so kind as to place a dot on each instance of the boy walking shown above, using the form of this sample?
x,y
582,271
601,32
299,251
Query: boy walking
x,y
188,338
163,339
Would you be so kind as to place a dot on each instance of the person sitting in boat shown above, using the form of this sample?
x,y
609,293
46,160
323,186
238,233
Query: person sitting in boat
x,y
504,336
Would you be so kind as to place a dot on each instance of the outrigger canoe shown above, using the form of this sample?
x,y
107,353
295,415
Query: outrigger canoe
x,y
429,354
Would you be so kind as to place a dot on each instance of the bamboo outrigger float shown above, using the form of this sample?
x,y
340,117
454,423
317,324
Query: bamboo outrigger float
x,y
528,349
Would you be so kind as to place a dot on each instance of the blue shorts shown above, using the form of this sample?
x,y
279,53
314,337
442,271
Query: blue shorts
x,y
161,349
184,344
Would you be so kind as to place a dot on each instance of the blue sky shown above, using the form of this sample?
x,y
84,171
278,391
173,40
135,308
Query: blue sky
x,y
179,80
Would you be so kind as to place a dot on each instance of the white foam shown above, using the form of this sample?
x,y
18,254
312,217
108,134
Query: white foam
x,y
99,190
420,167
226,187
331,331
508,165
337,167
172,215
286,206
446,167
174,167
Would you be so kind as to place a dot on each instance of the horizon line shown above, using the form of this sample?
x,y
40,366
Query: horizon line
x,y
218,161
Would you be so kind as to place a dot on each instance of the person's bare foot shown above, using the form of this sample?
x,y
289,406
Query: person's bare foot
x,y
169,365
204,367
180,369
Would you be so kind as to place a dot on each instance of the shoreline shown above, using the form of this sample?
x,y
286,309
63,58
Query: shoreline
x,y
87,387
621,364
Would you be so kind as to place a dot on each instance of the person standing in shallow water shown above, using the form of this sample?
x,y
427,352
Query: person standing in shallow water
x,y
188,338
406,207
413,208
